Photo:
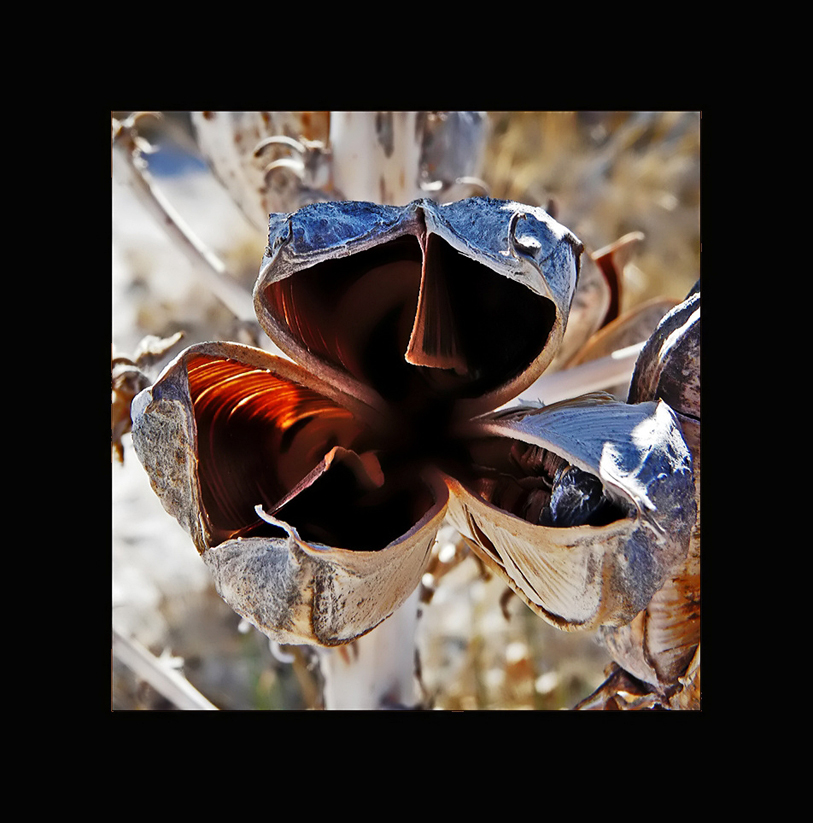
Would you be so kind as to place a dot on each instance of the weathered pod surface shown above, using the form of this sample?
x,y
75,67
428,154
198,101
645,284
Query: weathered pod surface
x,y
660,649
465,301
597,299
582,507
237,443
299,592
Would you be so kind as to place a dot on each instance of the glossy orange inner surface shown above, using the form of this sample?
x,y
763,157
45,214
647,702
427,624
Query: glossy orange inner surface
x,y
259,435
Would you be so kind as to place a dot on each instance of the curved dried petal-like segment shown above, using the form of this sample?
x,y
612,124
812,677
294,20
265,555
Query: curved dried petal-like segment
x,y
612,260
659,643
626,467
623,692
669,365
636,450
308,534
632,328
561,574
463,302
302,593
595,321
227,427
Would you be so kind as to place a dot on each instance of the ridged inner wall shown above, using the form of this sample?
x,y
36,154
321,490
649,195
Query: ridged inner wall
x,y
258,435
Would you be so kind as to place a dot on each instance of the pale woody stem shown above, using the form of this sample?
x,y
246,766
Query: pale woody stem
x,y
166,681
603,373
378,669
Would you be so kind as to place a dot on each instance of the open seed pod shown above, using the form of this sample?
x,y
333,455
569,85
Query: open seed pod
x,y
314,489
464,302
582,507
236,443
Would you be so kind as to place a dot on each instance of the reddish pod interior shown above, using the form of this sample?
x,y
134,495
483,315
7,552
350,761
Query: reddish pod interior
x,y
416,324
259,435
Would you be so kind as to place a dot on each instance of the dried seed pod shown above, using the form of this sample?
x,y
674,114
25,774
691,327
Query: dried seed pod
x,y
589,575
493,280
298,591
314,491
228,429
128,379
